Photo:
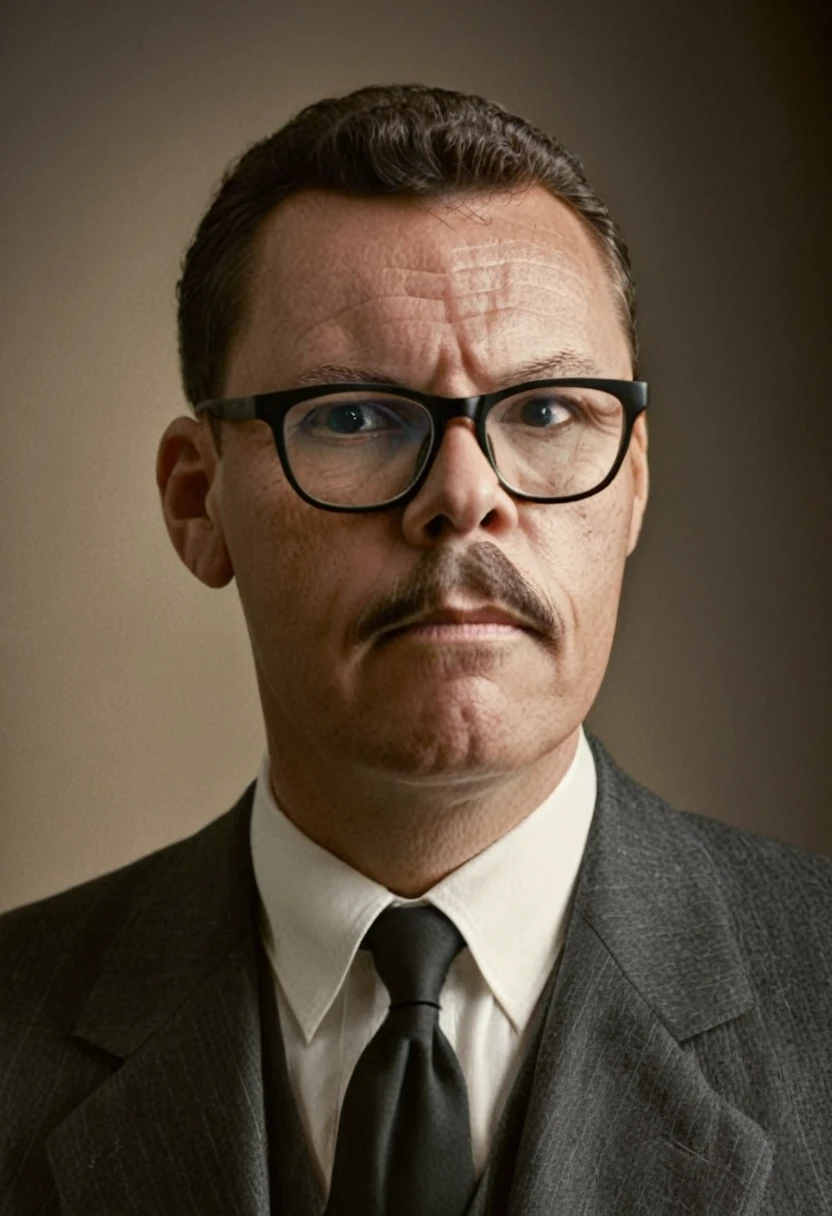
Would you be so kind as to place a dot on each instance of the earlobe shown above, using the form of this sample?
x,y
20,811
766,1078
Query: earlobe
x,y
186,468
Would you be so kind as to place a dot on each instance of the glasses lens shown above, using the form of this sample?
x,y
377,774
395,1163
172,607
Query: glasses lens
x,y
357,449
555,441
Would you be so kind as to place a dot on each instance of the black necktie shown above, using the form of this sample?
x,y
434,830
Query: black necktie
x,y
404,1134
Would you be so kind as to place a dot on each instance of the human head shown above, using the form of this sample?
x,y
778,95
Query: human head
x,y
436,249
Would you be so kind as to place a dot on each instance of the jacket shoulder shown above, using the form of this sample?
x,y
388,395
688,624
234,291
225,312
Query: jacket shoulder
x,y
778,895
747,861
55,945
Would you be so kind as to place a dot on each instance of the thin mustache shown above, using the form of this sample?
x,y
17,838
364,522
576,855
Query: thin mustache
x,y
481,570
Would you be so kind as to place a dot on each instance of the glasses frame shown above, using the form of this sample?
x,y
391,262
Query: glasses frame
x,y
273,407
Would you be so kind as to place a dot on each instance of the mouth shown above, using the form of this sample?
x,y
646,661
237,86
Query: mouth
x,y
457,624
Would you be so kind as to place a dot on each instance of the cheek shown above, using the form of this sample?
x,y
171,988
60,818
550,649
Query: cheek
x,y
581,549
273,555
303,575
280,567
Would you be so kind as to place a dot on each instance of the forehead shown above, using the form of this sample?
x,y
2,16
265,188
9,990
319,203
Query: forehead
x,y
410,283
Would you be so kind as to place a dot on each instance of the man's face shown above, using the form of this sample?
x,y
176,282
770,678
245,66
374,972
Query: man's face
x,y
450,302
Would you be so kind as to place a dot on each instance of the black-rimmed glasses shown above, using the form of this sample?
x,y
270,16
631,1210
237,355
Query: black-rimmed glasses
x,y
367,447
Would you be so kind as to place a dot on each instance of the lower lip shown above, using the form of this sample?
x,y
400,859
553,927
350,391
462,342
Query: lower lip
x,y
481,632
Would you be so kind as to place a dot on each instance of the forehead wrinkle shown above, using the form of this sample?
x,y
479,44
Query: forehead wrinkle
x,y
422,278
478,280
430,310
429,324
467,257
570,240
517,253
424,254
422,289
376,347
503,315
556,244
460,318
389,352
360,285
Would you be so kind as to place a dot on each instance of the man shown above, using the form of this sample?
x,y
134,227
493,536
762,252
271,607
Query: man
x,y
443,956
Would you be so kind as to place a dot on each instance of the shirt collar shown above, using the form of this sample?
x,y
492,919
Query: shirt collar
x,y
510,902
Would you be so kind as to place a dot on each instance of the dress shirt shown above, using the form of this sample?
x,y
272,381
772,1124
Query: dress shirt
x,y
510,903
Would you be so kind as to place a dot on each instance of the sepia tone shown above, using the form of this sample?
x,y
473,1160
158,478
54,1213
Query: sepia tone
x,y
129,707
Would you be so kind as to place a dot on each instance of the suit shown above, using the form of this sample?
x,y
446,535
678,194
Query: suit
x,y
682,1062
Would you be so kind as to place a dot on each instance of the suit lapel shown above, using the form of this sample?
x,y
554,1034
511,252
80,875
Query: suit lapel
x,y
620,1118
179,1127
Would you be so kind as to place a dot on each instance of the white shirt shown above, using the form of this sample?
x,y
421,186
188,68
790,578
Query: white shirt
x,y
510,903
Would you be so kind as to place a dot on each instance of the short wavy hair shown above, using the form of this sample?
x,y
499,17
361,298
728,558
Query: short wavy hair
x,y
381,140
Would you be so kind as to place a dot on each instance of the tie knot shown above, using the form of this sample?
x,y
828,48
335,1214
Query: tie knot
x,y
412,949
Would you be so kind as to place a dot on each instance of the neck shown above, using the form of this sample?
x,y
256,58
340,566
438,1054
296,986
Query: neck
x,y
407,833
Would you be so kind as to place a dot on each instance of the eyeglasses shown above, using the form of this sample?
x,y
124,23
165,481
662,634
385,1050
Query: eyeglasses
x,y
368,447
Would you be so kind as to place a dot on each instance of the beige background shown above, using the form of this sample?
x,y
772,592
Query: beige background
x,y
129,707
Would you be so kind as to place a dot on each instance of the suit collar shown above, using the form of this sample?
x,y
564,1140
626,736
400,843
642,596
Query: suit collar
x,y
179,1126
190,907
619,1116
649,889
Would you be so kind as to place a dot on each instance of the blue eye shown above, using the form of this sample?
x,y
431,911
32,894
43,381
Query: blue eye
x,y
544,411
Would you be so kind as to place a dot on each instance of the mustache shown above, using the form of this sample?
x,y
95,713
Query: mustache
x,y
483,570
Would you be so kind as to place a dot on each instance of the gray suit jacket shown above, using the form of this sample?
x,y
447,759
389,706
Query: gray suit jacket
x,y
683,1061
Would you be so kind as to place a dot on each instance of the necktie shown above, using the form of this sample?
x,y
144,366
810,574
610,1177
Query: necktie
x,y
404,1134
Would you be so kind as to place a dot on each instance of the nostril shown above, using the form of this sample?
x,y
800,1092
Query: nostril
x,y
439,523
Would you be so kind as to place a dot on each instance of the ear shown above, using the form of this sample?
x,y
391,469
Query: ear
x,y
637,455
187,465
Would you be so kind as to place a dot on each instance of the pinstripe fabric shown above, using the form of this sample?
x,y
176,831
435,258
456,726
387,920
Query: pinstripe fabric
x,y
682,1062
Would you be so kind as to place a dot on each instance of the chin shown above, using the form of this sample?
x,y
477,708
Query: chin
x,y
459,738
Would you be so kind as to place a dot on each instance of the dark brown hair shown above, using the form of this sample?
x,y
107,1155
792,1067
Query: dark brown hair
x,y
392,139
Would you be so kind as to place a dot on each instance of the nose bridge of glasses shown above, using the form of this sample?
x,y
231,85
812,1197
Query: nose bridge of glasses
x,y
453,409
447,409
457,410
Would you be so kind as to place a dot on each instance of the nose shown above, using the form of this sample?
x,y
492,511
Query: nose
x,y
461,494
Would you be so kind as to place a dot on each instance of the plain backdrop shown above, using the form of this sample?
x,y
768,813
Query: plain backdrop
x,y
129,708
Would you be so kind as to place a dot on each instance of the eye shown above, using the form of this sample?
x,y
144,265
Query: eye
x,y
542,411
351,418
545,411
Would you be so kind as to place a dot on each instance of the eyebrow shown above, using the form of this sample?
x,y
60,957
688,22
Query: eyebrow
x,y
562,364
